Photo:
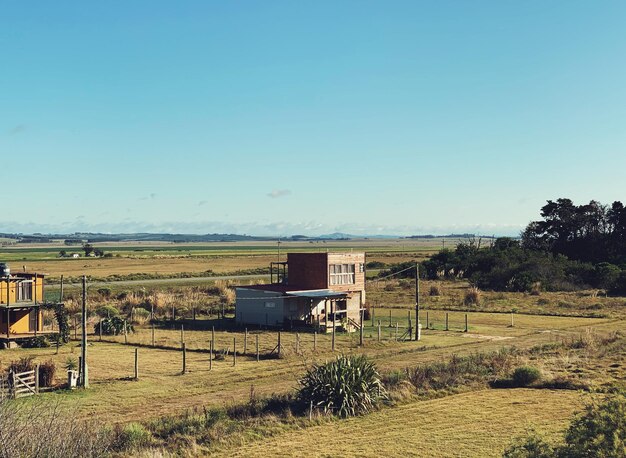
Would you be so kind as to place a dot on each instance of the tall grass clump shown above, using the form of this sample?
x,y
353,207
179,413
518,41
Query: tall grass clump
x,y
472,296
526,375
347,386
434,290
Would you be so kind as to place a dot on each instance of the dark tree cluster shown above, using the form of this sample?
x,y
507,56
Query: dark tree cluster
x,y
573,247
590,233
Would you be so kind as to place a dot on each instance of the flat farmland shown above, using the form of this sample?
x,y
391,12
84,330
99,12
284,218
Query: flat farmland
x,y
163,259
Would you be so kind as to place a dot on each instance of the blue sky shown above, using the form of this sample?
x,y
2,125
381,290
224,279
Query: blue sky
x,y
283,117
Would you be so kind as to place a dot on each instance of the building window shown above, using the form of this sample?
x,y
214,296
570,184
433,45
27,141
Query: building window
x,y
25,291
342,274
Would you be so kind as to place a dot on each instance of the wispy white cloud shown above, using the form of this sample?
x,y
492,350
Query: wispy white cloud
x,y
276,193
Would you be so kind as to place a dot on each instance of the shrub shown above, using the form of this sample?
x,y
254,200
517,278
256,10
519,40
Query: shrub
x,y
131,436
472,297
405,284
140,316
71,364
434,290
35,342
107,311
104,292
113,326
47,370
535,289
347,386
526,375
24,364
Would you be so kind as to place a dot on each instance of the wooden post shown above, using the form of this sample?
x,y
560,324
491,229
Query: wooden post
x,y
37,379
83,350
61,292
257,348
136,363
389,317
311,411
315,341
152,329
427,321
210,355
125,332
173,313
466,323
512,324
182,334
379,330
234,351
100,330
184,358
397,331
325,315
417,300
245,341
447,327
410,323
75,329
213,336
332,307
361,324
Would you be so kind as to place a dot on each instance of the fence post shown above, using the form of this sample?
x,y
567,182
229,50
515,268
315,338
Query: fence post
x,y
379,330
315,341
12,383
427,321
389,317
75,329
361,324
211,355
245,341
100,330
213,336
447,327
311,411
152,326
184,358
37,379
466,324
257,348
136,363
125,332
397,331
234,351
182,333
512,319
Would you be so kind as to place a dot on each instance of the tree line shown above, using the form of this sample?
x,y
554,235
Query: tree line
x,y
571,247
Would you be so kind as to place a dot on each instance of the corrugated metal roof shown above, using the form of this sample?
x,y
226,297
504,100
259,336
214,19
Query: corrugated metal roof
x,y
318,294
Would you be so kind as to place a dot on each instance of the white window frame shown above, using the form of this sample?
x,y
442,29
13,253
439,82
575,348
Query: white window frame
x,y
342,274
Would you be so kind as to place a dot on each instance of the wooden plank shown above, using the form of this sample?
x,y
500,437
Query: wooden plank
x,y
25,373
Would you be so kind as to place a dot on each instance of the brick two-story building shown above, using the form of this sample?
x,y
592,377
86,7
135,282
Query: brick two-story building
x,y
317,289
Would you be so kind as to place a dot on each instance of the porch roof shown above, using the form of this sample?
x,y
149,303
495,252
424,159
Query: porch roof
x,y
318,294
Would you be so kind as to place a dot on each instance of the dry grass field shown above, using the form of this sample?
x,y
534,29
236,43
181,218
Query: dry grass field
x,y
475,424
162,390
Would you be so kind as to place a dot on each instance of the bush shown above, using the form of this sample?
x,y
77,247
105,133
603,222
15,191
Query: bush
x,y
35,342
347,386
47,370
24,364
434,290
472,297
104,292
107,311
131,436
113,326
526,375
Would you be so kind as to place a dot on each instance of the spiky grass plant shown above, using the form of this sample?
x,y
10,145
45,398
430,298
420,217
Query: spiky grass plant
x,y
347,386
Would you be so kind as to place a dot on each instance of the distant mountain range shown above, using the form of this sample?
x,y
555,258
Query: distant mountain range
x,y
80,237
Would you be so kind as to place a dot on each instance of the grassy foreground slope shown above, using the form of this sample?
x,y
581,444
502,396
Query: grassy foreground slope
x,y
475,424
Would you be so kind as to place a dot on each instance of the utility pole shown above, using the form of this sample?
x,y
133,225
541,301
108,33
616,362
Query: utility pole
x,y
84,381
417,301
